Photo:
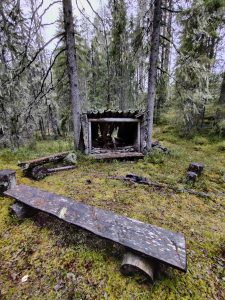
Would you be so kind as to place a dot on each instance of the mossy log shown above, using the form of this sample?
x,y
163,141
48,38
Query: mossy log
x,y
42,160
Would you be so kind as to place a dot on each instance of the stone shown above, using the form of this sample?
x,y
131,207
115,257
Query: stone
x,y
71,158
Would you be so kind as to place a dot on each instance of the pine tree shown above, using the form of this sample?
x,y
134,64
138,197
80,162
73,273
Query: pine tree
x,y
200,23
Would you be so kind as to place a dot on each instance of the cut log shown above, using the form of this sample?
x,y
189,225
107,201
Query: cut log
x,y
22,211
7,180
19,210
66,168
191,176
196,168
42,160
133,263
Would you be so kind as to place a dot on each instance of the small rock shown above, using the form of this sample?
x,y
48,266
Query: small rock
x,y
71,158
24,278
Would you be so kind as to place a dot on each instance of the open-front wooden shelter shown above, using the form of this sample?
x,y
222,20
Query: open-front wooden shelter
x,y
114,134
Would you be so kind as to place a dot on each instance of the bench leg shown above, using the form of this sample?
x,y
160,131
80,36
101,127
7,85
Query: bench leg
x,y
133,263
7,180
21,210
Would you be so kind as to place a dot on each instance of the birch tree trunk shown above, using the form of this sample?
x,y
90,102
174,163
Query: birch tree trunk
x,y
152,73
72,69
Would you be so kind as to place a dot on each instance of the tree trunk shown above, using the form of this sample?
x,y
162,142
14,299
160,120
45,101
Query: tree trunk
x,y
72,70
152,73
222,91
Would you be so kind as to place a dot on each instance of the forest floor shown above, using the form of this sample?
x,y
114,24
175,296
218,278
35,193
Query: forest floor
x,y
63,262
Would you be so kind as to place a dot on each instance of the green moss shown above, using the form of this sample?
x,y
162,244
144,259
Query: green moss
x,y
63,262
221,146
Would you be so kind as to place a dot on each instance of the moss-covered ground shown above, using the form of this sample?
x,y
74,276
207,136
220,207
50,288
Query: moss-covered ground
x,y
63,262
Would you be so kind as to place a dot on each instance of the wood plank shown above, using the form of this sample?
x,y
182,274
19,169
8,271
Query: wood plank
x,y
160,244
59,169
114,120
117,155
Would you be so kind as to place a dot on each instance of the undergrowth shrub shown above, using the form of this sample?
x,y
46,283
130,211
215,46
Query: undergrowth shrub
x,y
221,146
155,157
200,140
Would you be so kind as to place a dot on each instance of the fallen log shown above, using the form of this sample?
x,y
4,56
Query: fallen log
x,y
133,178
66,168
42,160
40,172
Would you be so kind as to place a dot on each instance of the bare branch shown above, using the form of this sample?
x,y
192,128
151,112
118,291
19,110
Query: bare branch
x,y
34,57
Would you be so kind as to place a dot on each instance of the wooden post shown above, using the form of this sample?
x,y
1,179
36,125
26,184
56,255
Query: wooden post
x,y
19,209
132,263
7,180
89,136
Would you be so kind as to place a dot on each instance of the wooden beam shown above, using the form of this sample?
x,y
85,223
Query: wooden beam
x,y
89,137
121,120
65,168
117,155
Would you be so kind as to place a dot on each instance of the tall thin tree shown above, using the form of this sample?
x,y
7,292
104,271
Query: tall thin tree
x,y
72,69
152,73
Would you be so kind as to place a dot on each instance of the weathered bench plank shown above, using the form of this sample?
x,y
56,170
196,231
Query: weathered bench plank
x,y
157,243
117,155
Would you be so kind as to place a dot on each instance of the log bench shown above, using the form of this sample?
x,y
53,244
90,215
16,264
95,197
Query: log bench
x,y
147,245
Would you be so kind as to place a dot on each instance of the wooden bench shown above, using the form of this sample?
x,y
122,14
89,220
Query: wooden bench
x,y
148,244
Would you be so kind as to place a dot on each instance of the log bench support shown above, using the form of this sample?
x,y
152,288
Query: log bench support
x,y
7,180
133,263
20,210
148,246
